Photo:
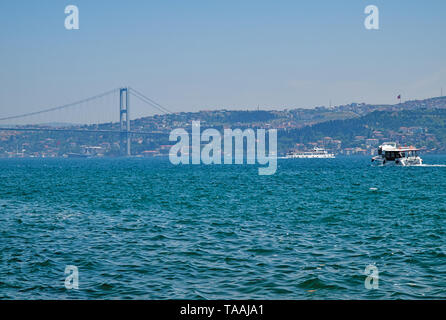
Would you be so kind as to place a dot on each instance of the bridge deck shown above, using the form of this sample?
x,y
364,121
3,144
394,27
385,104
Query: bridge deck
x,y
78,130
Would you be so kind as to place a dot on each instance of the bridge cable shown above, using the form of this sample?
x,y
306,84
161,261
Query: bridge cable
x,y
60,107
149,101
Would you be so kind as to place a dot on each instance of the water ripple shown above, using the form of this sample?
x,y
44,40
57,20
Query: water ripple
x,y
144,229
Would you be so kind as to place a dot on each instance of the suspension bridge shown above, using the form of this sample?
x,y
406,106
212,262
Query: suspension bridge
x,y
124,130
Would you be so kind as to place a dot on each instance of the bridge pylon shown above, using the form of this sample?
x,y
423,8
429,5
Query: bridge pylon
x,y
124,122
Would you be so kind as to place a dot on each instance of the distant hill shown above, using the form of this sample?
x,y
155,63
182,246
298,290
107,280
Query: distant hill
x,y
429,126
289,118
356,128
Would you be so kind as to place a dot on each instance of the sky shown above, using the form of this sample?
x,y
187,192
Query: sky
x,y
200,55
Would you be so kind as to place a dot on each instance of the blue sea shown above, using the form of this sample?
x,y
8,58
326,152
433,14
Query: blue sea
x,y
146,229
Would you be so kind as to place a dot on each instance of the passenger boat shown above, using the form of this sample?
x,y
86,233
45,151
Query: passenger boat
x,y
316,153
390,154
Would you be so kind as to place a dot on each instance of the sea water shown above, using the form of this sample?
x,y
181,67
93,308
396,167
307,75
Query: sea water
x,y
146,229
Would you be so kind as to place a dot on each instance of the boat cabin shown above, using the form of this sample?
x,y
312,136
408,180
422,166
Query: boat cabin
x,y
391,152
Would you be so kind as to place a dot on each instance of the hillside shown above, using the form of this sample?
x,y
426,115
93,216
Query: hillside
x,y
349,129
422,127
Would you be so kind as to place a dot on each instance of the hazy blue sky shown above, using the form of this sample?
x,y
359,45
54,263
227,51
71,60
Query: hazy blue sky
x,y
192,55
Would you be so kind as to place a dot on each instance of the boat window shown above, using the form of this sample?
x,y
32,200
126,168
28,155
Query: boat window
x,y
390,155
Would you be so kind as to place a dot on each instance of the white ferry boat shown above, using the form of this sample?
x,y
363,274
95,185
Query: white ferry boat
x,y
390,154
318,153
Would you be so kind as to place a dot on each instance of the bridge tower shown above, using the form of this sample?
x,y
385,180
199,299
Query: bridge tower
x,y
124,121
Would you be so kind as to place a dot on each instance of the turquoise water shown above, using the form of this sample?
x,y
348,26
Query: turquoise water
x,y
145,229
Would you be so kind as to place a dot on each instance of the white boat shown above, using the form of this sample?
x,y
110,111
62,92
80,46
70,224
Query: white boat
x,y
390,154
316,153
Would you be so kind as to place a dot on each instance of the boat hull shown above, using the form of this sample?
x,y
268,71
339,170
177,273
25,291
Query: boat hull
x,y
310,157
406,162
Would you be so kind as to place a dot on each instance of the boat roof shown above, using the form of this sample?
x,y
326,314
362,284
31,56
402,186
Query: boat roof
x,y
408,149
399,149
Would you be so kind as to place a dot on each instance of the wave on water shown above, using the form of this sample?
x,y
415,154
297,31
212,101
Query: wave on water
x,y
432,165
144,229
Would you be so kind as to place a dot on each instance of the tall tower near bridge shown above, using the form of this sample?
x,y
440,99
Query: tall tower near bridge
x,y
124,121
